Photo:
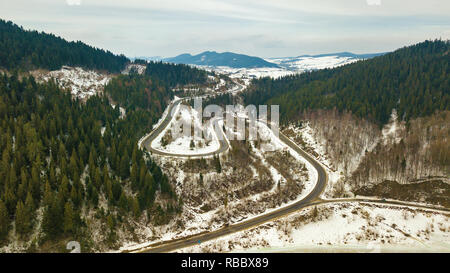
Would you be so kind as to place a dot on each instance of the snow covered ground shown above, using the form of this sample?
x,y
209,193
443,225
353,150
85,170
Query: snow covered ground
x,y
393,131
251,73
288,66
306,134
342,227
138,68
186,144
308,63
82,83
123,111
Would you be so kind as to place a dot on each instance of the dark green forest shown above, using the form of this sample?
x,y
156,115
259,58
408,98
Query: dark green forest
x,y
27,50
139,92
176,74
62,155
414,80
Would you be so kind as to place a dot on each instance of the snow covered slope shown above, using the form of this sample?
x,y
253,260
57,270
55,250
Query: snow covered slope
x,y
307,63
82,83
290,65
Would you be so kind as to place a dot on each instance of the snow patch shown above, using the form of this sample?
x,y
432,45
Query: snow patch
x,y
82,83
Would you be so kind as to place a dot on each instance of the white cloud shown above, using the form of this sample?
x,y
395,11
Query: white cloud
x,y
373,2
73,2
257,27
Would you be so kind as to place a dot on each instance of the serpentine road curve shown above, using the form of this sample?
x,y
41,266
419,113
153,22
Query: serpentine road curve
x,y
312,199
147,141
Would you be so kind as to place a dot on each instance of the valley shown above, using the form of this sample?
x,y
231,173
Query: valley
x,y
314,197
114,153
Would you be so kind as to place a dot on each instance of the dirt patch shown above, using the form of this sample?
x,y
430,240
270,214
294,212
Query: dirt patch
x,y
434,192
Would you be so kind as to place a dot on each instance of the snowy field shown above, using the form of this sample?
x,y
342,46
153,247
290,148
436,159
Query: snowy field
x,y
342,227
82,83
308,63
182,144
288,66
252,73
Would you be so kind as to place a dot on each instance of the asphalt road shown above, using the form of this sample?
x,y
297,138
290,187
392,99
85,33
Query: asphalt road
x,y
147,142
310,198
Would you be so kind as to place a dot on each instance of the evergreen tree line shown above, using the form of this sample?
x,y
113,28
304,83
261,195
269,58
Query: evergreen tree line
x,y
176,74
414,80
27,50
62,155
139,92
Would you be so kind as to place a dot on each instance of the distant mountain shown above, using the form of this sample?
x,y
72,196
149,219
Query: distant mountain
x,y
212,58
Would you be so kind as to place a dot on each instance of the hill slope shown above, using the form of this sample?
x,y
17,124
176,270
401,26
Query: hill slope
x,y
212,58
414,80
29,50
314,62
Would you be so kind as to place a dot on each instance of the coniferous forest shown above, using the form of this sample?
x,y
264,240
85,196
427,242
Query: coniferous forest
x,y
414,80
27,50
176,74
61,158
139,92
62,155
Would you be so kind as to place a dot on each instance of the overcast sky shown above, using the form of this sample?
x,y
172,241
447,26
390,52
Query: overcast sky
x,y
265,28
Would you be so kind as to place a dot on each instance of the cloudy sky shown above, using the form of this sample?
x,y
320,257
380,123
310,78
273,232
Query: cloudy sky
x,y
265,28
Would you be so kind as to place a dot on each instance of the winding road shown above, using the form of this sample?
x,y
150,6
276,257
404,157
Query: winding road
x,y
312,199
148,139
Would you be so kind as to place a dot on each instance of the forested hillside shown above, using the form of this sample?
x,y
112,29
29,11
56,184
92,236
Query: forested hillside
x,y
176,74
139,91
377,120
414,80
62,159
29,50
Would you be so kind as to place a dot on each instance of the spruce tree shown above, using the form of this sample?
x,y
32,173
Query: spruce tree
x,y
23,221
4,221
68,217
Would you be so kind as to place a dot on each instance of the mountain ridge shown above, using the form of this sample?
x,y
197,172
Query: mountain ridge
x,y
338,54
213,58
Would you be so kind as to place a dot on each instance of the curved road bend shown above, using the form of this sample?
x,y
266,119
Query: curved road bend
x,y
311,199
312,196
147,142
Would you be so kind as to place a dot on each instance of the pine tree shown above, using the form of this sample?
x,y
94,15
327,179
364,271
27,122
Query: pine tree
x,y
123,201
136,209
73,164
217,164
30,206
125,166
68,218
23,221
52,222
48,197
134,176
4,221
